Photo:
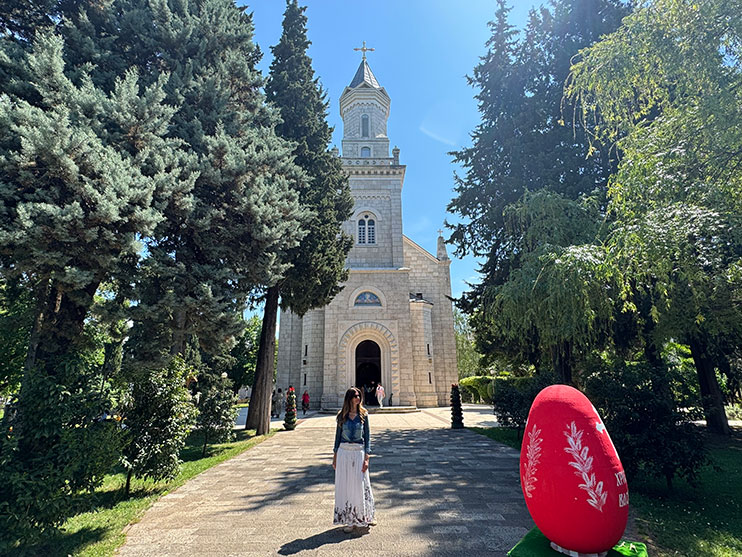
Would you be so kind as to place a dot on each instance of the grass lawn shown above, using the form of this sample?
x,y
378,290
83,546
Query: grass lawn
x,y
705,520
98,529
505,435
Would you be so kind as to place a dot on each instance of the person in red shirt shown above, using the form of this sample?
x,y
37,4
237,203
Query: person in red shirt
x,y
305,402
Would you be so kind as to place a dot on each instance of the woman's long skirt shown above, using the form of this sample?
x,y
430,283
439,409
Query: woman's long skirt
x,y
354,502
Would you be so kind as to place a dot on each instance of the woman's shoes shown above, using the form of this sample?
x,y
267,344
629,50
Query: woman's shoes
x,y
347,529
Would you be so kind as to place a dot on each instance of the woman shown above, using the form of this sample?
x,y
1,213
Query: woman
x,y
305,402
354,502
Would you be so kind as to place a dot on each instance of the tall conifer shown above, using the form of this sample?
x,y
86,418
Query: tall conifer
x,y
79,172
317,265
229,233
523,145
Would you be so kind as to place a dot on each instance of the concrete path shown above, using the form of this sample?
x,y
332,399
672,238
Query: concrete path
x,y
438,492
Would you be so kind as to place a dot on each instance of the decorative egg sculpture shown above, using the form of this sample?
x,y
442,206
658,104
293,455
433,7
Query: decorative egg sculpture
x,y
572,479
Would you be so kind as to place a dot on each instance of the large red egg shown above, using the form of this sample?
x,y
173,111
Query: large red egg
x,y
572,479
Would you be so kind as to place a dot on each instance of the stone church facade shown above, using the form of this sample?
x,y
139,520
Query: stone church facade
x,y
393,321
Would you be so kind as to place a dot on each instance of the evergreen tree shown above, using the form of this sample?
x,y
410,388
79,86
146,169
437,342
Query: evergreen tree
x,y
317,265
80,169
216,411
231,231
523,145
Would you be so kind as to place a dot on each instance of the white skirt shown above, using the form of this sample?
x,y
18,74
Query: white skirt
x,y
354,502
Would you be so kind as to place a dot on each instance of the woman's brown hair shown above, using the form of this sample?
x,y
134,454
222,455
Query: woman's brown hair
x,y
350,394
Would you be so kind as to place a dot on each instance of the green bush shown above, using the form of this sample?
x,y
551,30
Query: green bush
x,y
58,438
479,387
649,431
734,411
158,416
216,410
512,398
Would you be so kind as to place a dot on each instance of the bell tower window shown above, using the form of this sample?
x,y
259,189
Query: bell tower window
x,y
365,152
364,125
366,229
361,231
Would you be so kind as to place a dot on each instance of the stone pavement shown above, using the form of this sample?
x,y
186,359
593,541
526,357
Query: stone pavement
x,y
438,492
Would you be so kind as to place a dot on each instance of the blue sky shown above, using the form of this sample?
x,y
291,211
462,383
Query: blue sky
x,y
424,50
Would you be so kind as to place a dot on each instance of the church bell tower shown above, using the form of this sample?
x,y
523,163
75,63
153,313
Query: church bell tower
x,y
364,108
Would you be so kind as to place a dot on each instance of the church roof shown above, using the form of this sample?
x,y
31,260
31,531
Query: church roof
x,y
364,75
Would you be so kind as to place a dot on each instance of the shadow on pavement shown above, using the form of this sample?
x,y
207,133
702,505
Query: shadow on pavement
x,y
455,490
333,535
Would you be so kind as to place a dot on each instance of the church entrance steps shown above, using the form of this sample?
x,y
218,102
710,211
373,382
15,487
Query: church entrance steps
x,y
377,410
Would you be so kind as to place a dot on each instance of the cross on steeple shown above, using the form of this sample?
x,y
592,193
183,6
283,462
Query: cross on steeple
x,y
364,50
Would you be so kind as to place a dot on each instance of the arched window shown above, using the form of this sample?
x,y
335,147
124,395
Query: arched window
x,y
367,299
366,229
365,152
364,125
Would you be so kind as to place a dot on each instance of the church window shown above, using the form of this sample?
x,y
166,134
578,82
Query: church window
x,y
306,347
361,231
428,350
365,152
371,231
430,378
364,125
367,299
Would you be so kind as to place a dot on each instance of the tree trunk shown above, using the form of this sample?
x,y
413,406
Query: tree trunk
x,y
712,398
128,483
259,410
179,333
58,325
562,360
206,441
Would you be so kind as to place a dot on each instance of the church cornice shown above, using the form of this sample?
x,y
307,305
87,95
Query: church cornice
x,y
381,196
375,171
371,270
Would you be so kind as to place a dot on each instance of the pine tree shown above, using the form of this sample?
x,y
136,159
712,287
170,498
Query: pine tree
x,y
523,145
226,229
316,266
81,168
289,421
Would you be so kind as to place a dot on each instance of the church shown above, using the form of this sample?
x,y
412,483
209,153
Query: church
x,y
393,321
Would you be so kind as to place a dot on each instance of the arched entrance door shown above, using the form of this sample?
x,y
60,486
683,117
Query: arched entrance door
x,y
368,370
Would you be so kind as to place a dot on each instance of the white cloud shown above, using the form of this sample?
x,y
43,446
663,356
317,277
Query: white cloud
x,y
437,137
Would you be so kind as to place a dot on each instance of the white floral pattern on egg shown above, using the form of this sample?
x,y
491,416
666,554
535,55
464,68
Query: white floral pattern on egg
x,y
572,478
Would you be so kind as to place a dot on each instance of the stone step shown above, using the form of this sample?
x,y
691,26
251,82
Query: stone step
x,y
377,410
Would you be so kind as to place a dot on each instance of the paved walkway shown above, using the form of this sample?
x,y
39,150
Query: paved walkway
x,y
438,492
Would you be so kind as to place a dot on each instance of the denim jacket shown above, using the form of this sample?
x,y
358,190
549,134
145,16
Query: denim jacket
x,y
353,432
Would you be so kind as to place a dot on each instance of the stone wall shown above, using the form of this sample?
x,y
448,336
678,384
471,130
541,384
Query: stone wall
x,y
430,277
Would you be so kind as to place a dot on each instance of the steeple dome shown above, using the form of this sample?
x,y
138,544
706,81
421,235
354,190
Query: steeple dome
x,y
364,76
364,108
